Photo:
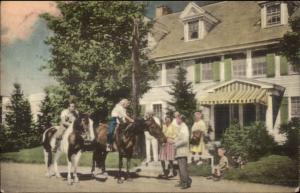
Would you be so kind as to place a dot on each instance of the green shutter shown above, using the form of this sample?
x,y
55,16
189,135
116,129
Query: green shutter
x,y
216,71
284,66
270,65
284,110
227,68
197,73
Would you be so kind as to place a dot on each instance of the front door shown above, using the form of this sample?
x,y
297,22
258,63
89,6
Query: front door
x,y
221,120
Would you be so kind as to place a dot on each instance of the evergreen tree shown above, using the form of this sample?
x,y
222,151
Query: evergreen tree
x,y
21,132
183,96
47,114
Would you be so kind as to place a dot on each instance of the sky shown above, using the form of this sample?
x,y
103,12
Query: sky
x,y
23,51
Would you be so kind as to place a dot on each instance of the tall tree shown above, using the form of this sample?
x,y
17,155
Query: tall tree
x,y
46,115
21,132
290,44
91,51
183,95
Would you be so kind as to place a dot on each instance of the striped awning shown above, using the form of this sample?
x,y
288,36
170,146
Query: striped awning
x,y
236,93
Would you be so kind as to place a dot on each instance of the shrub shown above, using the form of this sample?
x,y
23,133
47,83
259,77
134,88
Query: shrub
x,y
251,142
291,131
201,170
273,169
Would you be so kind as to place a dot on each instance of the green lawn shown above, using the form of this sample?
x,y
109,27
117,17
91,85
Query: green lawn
x,y
36,155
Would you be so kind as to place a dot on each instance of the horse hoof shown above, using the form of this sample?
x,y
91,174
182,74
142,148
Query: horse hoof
x,y
76,180
58,176
120,181
70,182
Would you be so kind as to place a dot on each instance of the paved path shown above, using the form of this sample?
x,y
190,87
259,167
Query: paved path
x,y
31,178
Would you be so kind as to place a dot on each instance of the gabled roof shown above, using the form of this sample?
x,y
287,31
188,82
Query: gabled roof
x,y
192,10
244,81
239,25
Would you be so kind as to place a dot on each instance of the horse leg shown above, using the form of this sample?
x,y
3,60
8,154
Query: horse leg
x,y
69,178
128,177
120,169
103,162
56,157
75,165
93,163
48,162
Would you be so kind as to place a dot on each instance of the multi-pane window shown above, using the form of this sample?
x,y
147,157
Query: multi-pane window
x,y
259,63
157,110
193,29
207,68
239,65
207,71
171,71
273,14
295,106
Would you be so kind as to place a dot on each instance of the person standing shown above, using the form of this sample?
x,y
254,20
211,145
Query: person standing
x,y
151,142
199,130
167,151
182,152
118,114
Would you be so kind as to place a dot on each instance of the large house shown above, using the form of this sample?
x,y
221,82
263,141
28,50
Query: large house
x,y
230,50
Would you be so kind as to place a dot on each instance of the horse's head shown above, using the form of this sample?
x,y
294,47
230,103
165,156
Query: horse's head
x,y
154,129
81,123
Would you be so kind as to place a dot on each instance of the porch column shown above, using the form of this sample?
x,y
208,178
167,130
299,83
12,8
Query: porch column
x,y
163,74
241,115
257,112
249,63
269,113
212,120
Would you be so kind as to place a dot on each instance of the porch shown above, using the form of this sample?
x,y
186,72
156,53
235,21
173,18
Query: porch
x,y
242,101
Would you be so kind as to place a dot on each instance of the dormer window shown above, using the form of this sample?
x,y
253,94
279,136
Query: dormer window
x,y
193,29
196,22
273,15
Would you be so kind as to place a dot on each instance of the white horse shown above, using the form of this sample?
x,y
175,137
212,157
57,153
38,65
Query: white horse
x,y
72,144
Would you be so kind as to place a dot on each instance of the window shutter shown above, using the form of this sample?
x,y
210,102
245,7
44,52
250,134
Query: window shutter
x,y
216,71
270,65
284,66
227,66
284,111
197,73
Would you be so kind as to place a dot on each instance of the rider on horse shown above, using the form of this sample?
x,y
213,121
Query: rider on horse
x,y
67,117
118,115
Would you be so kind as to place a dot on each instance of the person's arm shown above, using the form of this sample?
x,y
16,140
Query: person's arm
x,y
128,118
182,138
91,129
63,119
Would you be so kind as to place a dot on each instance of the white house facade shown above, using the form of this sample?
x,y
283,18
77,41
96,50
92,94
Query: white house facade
x,y
230,51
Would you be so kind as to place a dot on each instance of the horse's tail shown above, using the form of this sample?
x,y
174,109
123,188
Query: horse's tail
x,y
47,136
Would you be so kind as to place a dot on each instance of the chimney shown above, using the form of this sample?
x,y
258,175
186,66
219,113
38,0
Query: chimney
x,y
162,10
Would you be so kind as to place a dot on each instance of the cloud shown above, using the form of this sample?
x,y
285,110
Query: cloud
x,y
18,18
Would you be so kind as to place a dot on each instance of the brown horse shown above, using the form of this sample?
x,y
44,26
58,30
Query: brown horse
x,y
125,139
